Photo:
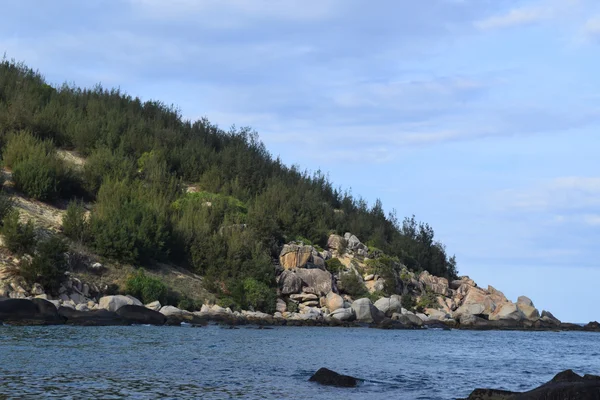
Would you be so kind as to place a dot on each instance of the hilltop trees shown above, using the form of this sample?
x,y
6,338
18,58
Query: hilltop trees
x,y
139,154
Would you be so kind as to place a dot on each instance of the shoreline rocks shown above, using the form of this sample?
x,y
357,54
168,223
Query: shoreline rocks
x,y
328,377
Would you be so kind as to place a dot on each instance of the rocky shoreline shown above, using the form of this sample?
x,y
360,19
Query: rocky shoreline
x,y
125,310
311,292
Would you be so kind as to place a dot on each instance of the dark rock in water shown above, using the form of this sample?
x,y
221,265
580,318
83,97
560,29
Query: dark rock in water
x,y
92,318
328,377
392,324
567,385
592,326
432,324
29,312
141,315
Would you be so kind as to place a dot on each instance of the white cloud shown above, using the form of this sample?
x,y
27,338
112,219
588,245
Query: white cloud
x,y
515,17
567,194
591,29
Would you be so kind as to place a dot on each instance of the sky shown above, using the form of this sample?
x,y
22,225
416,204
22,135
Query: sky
x,y
480,117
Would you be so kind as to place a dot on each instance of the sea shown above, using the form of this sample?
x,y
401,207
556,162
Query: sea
x,y
148,362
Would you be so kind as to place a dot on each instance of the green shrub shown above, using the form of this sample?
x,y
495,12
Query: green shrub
x,y
407,301
105,164
18,238
146,288
74,222
49,264
375,296
185,303
37,171
292,306
427,300
6,205
352,285
260,296
334,265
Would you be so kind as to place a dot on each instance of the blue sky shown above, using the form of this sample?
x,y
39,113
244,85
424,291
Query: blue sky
x,y
480,117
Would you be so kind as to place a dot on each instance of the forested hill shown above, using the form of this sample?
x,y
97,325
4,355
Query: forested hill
x,y
167,189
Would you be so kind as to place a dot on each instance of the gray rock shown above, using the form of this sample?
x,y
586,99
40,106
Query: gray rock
x,y
281,307
289,282
525,300
37,289
366,312
113,303
343,314
334,301
316,280
155,305
82,307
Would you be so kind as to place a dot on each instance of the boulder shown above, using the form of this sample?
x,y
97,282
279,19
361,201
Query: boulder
x,y
389,305
375,285
281,307
328,377
507,311
549,318
171,311
410,320
343,314
334,301
29,312
468,309
289,282
366,312
524,300
566,385
91,318
141,315
436,284
479,296
82,307
335,242
295,256
497,296
529,312
436,314
315,280
155,305
302,297
355,244
113,303
369,277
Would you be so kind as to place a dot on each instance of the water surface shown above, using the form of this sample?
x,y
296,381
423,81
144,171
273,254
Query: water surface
x,y
142,362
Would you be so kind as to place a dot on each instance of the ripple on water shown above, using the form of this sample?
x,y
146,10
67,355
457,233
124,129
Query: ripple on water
x,y
144,362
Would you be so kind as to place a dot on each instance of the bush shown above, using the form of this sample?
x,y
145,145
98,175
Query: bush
x,y
427,300
260,296
292,306
407,301
74,223
352,285
146,288
18,238
334,265
49,264
6,205
37,171
38,178
185,303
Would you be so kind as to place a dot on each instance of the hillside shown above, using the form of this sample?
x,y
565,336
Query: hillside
x,y
161,190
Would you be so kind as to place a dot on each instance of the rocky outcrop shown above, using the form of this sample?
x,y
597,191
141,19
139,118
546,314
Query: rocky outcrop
x,y
29,312
566,385
141,315
328,377
113,303
366,312
289,282
507,311
435,284
525,305
334,301
389,305
155,305
296,255
315,281
343,314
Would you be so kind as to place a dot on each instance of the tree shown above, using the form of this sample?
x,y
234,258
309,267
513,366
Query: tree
x,y
48,265
19,238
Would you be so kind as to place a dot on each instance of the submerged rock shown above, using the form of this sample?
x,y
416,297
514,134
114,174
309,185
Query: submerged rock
x,y
566,385
328,377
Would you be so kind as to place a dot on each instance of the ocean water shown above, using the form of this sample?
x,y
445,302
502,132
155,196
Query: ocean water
x,y
143,362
